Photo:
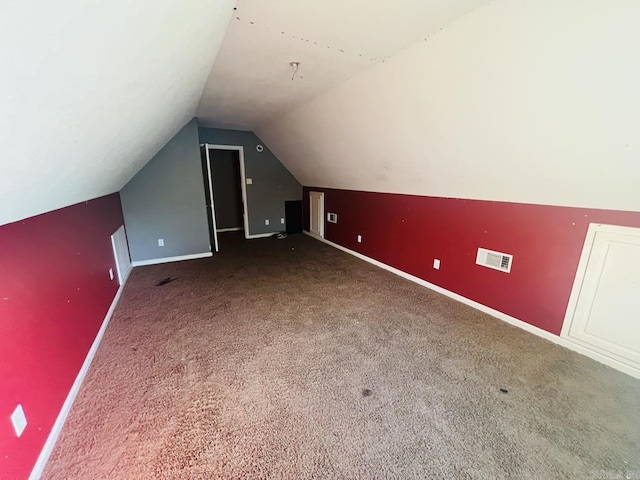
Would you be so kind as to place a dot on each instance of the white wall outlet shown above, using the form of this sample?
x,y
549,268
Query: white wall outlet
x,y
18,420
282,220
266,222
436,263
359,238
249,181
111,273
161,242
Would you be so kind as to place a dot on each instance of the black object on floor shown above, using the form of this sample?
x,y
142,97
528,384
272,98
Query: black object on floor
x,y
164,281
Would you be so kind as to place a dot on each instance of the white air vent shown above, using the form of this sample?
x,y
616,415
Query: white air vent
x,y
496,260
332,217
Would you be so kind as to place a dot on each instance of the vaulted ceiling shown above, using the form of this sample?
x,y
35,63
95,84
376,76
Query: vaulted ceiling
x,y
519,100
90,90
251,80
505,100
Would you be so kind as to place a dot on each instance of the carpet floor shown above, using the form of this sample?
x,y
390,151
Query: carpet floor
x,y
288,359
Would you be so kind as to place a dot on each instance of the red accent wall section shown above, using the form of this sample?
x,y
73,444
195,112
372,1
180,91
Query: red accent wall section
x,y
55,291
409,231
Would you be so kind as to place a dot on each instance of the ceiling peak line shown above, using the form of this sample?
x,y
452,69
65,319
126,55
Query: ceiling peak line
x,y
318,44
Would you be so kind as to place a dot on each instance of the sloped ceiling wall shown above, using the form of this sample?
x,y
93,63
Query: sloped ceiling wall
x,y
333,40
520,100
90,90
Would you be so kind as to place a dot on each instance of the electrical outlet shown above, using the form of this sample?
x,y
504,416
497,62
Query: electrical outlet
x,y
282,220
436,264
359,238
111,273
19,420
161,242
266,222
249,181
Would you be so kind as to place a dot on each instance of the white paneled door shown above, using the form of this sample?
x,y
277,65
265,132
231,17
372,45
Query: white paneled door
x,y
121,254
604,310
316,218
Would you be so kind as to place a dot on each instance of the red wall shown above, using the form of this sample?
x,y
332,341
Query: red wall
x,y
408,232
54,293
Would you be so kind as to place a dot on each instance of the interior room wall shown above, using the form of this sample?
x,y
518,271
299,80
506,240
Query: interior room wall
x,y
166,200
55,290
511,128
272,184
409,231
518,101
92,90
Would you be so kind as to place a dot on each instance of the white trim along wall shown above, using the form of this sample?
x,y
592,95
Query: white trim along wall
x,y
73,393
155,261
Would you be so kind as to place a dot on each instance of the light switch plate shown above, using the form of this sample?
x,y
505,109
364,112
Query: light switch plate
x,y
282,220
19,420
266,222
161,242
359,238
111,273
436,264
249,181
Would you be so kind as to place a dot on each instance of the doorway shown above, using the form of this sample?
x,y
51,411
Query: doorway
x,y
225,191
602,312
316,214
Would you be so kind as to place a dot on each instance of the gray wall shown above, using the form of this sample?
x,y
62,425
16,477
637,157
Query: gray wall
x,y
166,200
272,183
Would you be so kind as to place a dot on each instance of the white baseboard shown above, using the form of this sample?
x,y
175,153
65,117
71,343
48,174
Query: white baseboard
x,y
261,235
234,229
71,396
155,261
634,372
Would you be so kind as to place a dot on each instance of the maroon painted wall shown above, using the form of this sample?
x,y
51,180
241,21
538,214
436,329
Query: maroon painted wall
x,y
408,232
54,293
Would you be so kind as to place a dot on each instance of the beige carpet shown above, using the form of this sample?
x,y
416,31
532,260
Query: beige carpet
x,y
288,359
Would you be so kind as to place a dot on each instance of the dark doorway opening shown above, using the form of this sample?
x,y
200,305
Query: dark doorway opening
x,y
223,191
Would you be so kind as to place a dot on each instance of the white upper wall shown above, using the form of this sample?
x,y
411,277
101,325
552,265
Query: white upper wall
x,y
534,101
90,90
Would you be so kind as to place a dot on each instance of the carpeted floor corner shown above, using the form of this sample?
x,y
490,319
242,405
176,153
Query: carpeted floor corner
x,y
288,359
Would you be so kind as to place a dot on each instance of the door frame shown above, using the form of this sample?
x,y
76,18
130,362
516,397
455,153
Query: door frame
x,y
311,192
243,186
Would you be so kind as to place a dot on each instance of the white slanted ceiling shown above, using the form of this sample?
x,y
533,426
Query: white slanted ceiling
x,y
520,100
333,39
90,90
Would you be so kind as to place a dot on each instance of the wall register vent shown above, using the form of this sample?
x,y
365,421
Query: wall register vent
x,y
496,260
332,217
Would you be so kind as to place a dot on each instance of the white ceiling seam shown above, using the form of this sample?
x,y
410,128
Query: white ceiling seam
x,y
316,44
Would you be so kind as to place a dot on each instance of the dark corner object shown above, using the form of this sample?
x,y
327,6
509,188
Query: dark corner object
x,y
293,216
164,281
